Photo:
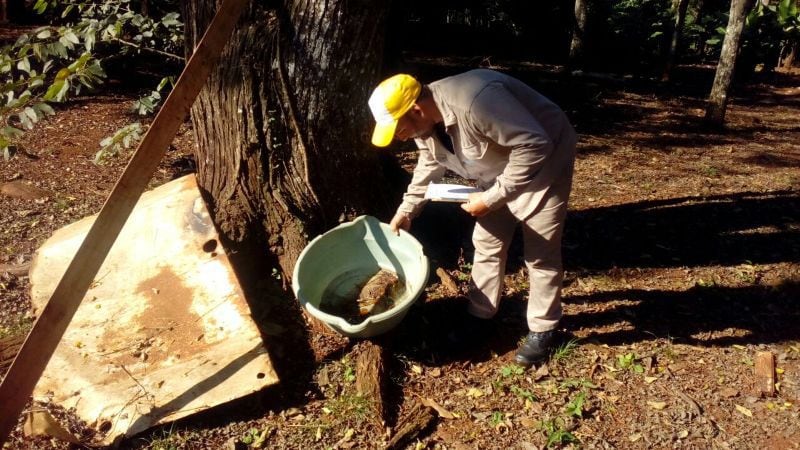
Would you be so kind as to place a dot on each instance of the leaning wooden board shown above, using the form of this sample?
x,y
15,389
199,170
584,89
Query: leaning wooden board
x,y
56,316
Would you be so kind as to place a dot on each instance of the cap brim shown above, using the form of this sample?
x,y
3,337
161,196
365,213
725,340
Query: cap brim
x,y
383,134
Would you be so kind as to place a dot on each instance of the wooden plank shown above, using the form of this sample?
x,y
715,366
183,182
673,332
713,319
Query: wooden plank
x,y
56,316
765,373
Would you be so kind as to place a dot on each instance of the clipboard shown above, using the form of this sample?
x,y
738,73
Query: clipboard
x,y
442,192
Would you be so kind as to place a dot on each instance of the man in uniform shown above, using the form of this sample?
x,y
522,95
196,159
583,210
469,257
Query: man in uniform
x,y
520,148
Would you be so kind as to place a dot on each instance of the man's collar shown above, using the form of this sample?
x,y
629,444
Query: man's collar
x,y
447,114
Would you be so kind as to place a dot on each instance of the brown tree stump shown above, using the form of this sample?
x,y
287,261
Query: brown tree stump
x,y
765,373
419,418
370,375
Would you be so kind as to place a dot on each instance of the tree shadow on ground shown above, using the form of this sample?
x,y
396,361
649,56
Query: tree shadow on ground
x,y
727,230
705,316
758,228
731,229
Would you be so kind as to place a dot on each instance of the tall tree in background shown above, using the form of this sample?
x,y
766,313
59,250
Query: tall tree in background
x,y
282,125
576,47
789,18
679,7
718,99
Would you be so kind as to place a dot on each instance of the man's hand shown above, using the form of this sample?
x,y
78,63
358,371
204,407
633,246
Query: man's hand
x,y
475,206
400,220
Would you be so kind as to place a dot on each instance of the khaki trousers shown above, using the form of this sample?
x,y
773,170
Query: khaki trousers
x,y
541,233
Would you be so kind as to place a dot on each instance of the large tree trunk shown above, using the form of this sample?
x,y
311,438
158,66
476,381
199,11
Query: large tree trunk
x,y
282,125
679,6
718,99
576,47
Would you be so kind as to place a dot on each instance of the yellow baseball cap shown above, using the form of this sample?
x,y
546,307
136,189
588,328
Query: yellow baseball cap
x,y
389,101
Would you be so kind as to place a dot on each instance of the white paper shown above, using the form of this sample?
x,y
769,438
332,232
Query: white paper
x,y
449,192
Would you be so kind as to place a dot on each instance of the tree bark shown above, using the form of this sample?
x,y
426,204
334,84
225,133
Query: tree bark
x,y
789,55
576,47
282,126
679,6
718,99
371,376
417,420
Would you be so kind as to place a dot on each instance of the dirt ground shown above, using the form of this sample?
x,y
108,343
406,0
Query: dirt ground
x,y
682,254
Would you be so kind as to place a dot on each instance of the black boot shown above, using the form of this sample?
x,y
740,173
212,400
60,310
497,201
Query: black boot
x,y
535,348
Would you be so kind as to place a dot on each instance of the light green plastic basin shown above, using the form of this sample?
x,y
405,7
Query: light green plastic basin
x,y
348,254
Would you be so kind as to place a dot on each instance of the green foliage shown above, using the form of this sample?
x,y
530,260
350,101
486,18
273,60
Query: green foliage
x,y
769,28
497,418
637,29
523,393
556,433
148,103
349,407
575,406
576,383
511,371
123,138
255,438
53,63
629,361
119,22
564,351
43,67
349,373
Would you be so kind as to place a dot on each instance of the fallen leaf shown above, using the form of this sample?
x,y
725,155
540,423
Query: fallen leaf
x,y
348,434
416,369
729,392
649,380
635,437
435,372
657,405
481,415
541,372
528,423
744,411
683,434
474,393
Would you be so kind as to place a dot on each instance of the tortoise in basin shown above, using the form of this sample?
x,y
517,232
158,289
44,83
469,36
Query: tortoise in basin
x,y
378,293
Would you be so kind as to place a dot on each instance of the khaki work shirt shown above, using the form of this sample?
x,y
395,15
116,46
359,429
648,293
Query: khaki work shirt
x,y
509,138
